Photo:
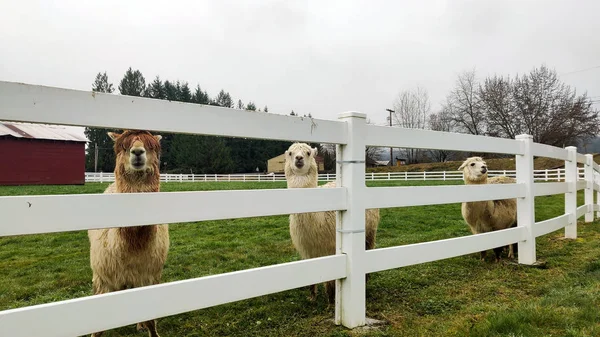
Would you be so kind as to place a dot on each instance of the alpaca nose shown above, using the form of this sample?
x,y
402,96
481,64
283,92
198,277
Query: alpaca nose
x,y
138,152
299,157
483,169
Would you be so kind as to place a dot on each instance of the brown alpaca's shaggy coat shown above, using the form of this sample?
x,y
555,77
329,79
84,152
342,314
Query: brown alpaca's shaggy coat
x,y
313,234
489,215
130,257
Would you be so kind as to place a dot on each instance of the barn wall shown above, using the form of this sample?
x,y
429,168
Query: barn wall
x,y
41,162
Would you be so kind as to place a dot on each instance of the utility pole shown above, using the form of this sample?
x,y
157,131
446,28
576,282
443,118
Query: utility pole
x,y
95,157
391,150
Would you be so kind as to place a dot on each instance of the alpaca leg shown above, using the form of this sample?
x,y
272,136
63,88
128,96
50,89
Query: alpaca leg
x,y
482,255
498,252
330,289
99,287
150,326
511,250
313,292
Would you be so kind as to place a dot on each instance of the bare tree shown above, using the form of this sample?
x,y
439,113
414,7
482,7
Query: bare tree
x,y
328,152
463,105
538,104
441,121
497,102
411,110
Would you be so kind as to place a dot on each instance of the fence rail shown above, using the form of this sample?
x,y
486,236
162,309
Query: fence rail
x,y
53,213
539,175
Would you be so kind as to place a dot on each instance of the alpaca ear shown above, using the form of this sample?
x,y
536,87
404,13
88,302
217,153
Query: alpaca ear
x,y
158,137
113,135
462,166
314,151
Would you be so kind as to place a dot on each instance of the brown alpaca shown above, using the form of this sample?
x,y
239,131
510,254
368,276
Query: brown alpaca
x,y
130,257
489,215
313,234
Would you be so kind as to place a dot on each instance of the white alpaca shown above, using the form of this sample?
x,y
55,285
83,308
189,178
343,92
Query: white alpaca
x,y
313,234
489,215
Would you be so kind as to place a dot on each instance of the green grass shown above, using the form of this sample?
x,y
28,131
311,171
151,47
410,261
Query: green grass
x,y
460,296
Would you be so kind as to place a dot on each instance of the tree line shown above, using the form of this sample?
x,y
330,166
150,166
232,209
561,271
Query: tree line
x,y
537,103
183,153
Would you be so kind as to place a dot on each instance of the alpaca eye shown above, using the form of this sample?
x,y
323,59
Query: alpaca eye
x,y
289,153
473,164
308,153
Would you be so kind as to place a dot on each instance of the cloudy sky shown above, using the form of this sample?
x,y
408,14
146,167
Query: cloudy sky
x,y
318,57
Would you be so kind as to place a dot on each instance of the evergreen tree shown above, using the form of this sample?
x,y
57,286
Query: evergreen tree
x,y
251,106
98,137
240,105
156,89
101,84
200,97
185,94
201,154
224,99
171,91
266,109
133,83
293,113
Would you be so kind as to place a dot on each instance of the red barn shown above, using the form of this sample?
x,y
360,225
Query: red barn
x,y
36,154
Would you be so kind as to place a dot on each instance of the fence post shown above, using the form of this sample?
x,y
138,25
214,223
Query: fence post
x,y
444,175
526,205
350,306
571,176
389,175
597,200
546,175
589,187
405,175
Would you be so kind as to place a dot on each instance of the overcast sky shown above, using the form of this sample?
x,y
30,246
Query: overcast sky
x,y
318,57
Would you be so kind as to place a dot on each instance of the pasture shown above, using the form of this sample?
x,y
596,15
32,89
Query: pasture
x,y
460,296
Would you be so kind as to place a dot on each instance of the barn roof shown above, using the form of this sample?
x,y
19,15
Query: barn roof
x,y
39,131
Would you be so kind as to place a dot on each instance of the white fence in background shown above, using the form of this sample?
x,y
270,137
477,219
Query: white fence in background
x,y
538,175
24,215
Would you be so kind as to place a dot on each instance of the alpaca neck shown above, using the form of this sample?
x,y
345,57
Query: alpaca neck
x,y
480,181
309,180
137,181
478,206
136,238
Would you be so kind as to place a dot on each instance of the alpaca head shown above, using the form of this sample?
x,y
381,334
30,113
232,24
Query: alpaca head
x,y
474,169
301,169
136,151
300,158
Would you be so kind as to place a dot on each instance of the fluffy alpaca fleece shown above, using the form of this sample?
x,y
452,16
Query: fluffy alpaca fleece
x,y
490,215
131,257
313,234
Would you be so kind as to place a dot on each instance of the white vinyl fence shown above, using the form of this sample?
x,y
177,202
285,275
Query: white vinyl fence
x,y
24,215
538,175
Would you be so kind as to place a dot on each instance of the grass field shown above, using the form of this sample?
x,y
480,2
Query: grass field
x,y
461,296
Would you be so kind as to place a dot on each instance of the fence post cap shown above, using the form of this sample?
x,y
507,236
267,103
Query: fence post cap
x,y
524,136
349,114
571,148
